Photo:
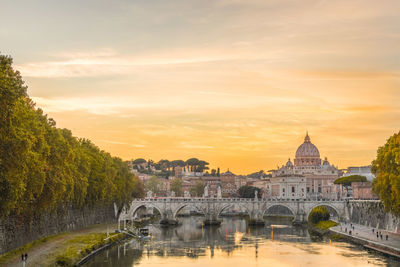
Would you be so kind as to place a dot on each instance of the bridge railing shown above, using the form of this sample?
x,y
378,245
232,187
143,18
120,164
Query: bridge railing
x,y
241,200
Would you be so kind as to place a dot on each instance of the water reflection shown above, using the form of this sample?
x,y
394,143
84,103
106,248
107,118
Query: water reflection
x,y
236,244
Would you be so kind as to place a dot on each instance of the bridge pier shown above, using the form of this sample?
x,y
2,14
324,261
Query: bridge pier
x,y
211,214
299,219
212,219
167,218
256,218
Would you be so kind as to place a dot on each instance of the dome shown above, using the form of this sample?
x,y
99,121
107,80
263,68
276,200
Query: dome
x,y
307,149
307,154
289,163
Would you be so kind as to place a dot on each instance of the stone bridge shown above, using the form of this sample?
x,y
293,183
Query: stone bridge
x,y
213,207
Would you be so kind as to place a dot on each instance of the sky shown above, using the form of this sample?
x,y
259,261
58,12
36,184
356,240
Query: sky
x,y
236,83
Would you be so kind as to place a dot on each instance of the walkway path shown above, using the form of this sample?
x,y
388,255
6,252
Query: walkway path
x,y
365,233
44,253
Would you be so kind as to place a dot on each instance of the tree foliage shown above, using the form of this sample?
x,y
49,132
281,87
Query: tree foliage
x,y
318,214
153,185
44,168
386,168
248,191
347,180
176,186
198,189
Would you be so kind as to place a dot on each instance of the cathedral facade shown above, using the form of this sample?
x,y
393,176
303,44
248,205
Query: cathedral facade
x,y
319,174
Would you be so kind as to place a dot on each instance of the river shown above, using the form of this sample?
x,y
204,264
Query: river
x,y
235,244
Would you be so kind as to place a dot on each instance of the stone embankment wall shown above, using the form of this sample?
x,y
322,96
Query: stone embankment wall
x,y
372,213
15,233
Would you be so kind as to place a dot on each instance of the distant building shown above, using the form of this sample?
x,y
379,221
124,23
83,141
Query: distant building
x,y
363,190
240,180
308,163
228,185
288,186
178,171
362,170
213,182
164,187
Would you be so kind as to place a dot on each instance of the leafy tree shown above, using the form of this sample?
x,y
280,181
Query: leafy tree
x,y
192,163
176,186
347,180
176,163
44,168
153,185
257,175
318,214
138,188
386,167
198,189
202,166
139,161
247,191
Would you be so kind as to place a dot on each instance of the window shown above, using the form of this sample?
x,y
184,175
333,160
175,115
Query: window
x,y
319,189
283,190
292,189
308,190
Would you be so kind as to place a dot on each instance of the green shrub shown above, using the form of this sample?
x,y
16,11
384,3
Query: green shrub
x,y
319,214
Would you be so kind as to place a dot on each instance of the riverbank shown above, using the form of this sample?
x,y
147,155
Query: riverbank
x,y
63,249
364,236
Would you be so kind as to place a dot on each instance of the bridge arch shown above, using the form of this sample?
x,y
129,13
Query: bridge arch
x,y
224,207
135,209
327,205
290,209
177,210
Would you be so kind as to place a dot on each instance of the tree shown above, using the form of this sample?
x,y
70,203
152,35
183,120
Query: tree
x,y
198,189
46,169
139,161
318,214
347,180
192,163
202,166
176,163
164,164
386,168
138,188
176,186
153,185
247,191
257,175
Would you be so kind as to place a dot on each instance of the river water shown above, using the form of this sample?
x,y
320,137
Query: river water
x,y
235,244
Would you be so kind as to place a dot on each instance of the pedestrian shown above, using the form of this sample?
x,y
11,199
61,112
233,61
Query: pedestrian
x,y
353,227
381,237
373,230
387,237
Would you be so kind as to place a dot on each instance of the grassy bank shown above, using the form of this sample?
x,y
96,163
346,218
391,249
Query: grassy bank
x,y
321,229
80,246
62,249
325,225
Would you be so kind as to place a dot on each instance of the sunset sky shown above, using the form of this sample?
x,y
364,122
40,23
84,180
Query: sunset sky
x,y
234,82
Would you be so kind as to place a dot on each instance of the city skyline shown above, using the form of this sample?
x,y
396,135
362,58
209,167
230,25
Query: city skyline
x,y
232,82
